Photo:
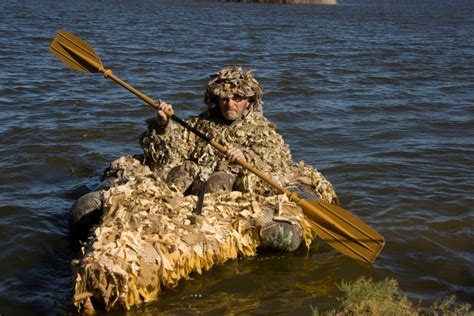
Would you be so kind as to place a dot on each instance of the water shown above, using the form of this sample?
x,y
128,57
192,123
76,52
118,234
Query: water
x,y
376,94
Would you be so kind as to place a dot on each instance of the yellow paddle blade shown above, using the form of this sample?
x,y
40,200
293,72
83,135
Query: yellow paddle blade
x,y
75,53
344,231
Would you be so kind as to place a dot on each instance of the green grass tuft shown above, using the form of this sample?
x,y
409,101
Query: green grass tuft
x,y
366,297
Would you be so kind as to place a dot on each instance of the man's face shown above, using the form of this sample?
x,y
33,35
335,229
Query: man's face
x,y
233,108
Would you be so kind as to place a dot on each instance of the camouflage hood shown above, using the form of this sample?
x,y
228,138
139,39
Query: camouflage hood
x,y
233,81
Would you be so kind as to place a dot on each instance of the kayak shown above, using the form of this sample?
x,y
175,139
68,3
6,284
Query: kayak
x,y
149,237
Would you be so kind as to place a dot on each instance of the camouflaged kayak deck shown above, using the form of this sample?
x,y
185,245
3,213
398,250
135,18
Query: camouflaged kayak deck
x,y
149,239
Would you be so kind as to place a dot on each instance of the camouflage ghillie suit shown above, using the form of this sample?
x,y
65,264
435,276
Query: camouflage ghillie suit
x,y
262,146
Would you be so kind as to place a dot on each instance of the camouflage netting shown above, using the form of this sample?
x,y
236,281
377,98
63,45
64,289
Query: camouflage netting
x,y
149,237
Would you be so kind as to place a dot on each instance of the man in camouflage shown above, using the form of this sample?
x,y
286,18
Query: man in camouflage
x,y
233,118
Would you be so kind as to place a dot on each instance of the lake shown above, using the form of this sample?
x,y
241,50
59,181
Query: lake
x,y
378,95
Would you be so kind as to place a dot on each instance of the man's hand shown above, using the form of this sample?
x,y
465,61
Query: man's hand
x,y
234,154
162,119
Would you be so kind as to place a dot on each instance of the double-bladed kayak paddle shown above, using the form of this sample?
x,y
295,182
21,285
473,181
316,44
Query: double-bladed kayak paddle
x,y
336,226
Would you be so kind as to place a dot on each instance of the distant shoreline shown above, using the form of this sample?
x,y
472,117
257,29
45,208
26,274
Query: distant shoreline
x,y
287,1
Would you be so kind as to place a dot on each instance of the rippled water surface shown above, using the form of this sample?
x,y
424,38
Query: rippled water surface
x,y
377,94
